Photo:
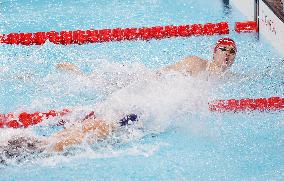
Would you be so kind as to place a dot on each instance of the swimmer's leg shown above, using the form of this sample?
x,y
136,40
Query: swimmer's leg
x,y
98,128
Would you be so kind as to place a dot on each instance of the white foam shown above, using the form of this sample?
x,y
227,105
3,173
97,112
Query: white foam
x,y
159,98
145,150
161,101
8,133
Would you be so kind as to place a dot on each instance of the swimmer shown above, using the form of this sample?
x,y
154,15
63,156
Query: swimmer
x,y
223,58
90,129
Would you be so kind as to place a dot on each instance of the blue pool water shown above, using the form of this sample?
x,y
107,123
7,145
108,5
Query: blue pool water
x,y
180,139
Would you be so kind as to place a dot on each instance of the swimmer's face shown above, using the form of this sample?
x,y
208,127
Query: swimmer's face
x,y
224,56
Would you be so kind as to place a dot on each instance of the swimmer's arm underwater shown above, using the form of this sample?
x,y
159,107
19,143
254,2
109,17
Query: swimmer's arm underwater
x,y
69,67
90,128
233,75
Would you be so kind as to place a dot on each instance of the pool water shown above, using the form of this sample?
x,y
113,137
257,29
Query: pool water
x,y
180,139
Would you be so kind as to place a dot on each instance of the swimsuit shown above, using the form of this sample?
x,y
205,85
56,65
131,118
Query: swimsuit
x,y
128,119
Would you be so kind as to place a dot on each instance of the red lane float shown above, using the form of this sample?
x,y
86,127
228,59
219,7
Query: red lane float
x,y
117,34
261,104
248,26
25,119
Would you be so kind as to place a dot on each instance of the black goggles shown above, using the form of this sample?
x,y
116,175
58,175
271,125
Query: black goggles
x,y
231,50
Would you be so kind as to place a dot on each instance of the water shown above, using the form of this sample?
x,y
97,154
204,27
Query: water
x,y
180,138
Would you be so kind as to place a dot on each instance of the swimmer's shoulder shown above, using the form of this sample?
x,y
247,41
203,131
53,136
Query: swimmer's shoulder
x,y
194,61
194,64
190,61
190,65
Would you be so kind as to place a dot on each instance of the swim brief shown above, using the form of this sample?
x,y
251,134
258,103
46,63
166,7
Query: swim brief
x,y
128,119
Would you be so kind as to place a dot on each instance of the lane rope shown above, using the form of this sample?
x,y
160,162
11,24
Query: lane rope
x,y
247,104
246,27
120,34
24,119
117,34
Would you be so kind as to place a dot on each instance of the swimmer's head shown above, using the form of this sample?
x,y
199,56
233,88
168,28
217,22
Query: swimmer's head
x,y
225,53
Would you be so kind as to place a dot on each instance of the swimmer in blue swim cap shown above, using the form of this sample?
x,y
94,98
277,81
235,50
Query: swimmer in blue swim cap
x,y
223,58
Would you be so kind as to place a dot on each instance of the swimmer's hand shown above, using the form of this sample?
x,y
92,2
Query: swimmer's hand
x,y
68,67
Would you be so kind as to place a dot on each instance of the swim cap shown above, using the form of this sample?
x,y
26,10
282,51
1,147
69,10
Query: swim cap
x,y
226,42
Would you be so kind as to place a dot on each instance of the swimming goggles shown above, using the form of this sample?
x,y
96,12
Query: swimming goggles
x,y
231,50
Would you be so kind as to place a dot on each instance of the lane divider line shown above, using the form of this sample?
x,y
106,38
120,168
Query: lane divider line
x,y
24,119
118,34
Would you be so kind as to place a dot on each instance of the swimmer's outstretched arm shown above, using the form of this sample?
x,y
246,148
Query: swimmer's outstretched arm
x,y
69,67
238,76
94,128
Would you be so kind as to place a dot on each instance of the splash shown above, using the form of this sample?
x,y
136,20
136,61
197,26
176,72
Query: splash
x,y
160,101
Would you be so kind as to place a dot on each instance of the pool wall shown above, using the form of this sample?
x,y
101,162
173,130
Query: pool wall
x,y
270,19
271,26
246,7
